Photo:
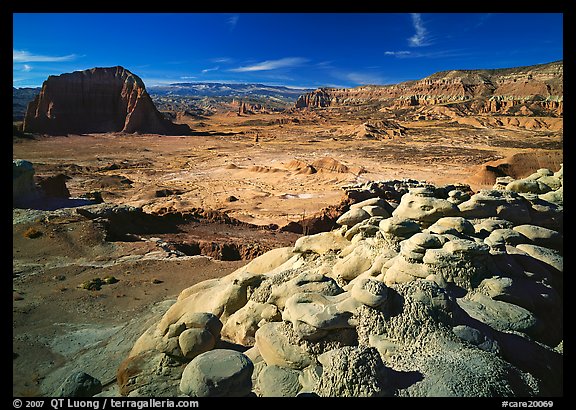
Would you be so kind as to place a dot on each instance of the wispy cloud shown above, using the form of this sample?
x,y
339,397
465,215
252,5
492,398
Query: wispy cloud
x,y
26,68
419,39
221,60
22,56
429,54
271,65
482,19
397,53
207,70
233,21
365,78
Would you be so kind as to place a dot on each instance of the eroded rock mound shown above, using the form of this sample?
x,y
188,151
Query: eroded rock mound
x,y
446,295
516,166
97,100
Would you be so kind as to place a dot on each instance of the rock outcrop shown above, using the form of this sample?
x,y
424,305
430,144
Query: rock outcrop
x,y
530,90
47,192
79,384
517,166
23,187
97,100
448,293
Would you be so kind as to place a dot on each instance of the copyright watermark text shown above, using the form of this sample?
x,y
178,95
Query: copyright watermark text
x,y
528,403
103,403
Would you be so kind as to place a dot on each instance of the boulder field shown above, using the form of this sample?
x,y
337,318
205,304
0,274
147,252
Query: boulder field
x,y
444,292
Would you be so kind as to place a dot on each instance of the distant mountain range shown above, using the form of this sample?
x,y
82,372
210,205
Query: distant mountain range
x,y
227,90
528,91
20,99
288,96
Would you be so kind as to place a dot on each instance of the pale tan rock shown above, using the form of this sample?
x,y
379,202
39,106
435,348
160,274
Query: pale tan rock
x,y
276,381
505,236
399,226
376,201
365,229
402,271
501,316
218,373
541,236
355,263
353,216
268,261
319,311
528,186
219,297
370,292
486,225
195,341
321,243
506,204
276,349
546,255
314,282
149,340
385,346
553,182
201,320
241,326
452,224
556,197
423,208
309,378
254,355
560,173
374,210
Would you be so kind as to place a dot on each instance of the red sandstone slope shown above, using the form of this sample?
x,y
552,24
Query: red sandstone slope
x,y
494,91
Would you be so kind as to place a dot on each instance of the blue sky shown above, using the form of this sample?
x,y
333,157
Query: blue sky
x,y
292,49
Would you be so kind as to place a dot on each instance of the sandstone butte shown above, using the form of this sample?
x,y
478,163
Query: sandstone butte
x,y
110,99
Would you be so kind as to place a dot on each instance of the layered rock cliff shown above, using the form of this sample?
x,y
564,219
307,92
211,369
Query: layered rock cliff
x,y
108,99
539,88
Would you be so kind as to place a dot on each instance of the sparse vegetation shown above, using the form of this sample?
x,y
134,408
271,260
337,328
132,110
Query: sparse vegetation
x,y
32,233
110,280
97,283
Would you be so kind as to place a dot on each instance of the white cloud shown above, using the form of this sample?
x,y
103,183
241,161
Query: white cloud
x,y
419,38
21,56
221,60
271,65
482,19
233,21
26,67
365,78
397,53
429,54
207,70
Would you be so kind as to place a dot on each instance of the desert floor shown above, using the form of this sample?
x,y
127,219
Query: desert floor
x,y
58,327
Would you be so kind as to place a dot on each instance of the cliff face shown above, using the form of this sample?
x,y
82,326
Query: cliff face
x,y
96,100
490,91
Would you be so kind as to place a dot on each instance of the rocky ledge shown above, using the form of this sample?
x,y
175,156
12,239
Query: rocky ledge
x,y
444,293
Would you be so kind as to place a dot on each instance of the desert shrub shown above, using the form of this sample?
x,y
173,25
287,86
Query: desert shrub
x,y
32,233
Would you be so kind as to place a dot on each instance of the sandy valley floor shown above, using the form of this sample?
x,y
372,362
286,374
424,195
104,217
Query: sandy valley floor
x,y
59,327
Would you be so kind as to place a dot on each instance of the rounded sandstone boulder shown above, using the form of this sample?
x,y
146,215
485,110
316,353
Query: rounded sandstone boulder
x,y
218,373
